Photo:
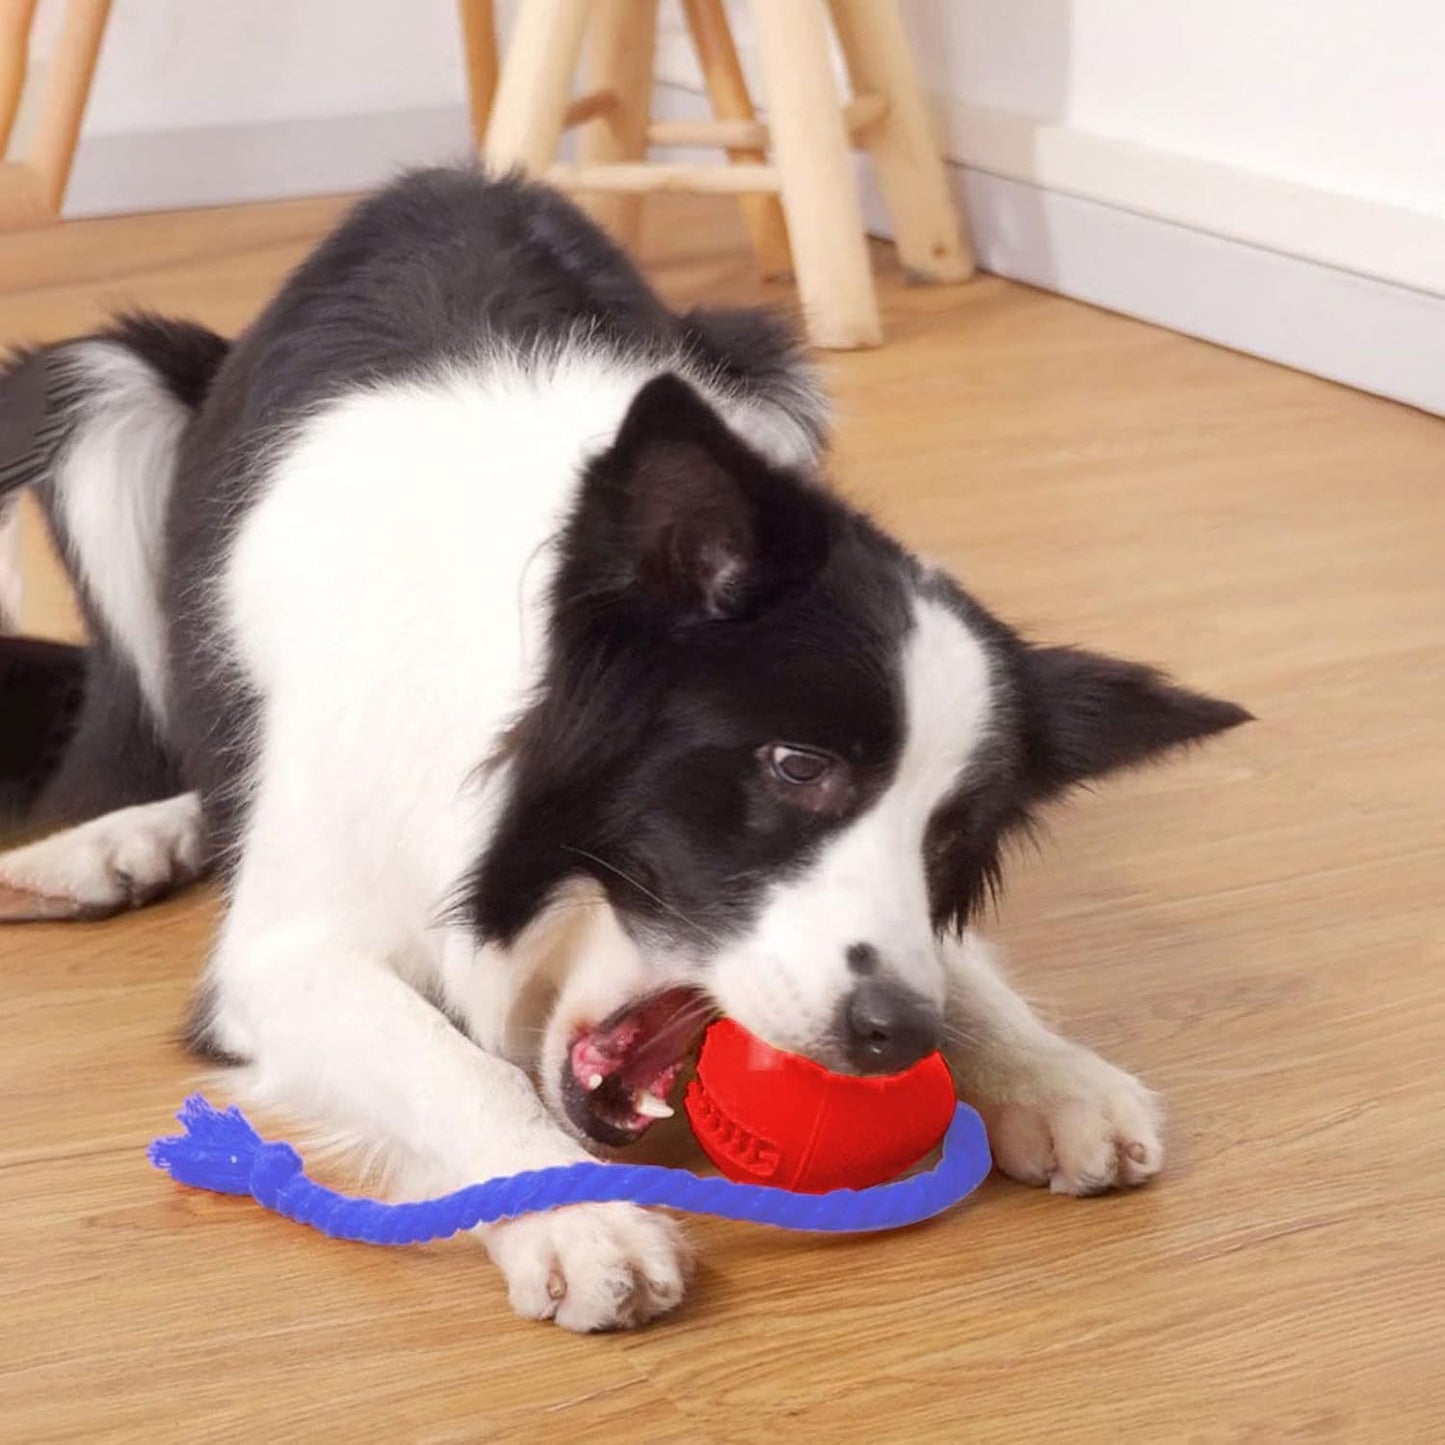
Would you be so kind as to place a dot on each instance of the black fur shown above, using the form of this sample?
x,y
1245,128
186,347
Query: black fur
x,y
638,765
442,266
706,602
115,757
863,958
115,754
1086,716
1061,717
185,356
41,685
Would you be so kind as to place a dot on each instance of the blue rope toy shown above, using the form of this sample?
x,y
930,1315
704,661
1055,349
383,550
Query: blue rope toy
x,y
220,1151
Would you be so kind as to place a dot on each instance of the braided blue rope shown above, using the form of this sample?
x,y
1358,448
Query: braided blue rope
x,y
220,1151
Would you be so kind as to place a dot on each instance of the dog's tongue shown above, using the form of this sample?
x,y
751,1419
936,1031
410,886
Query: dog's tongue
x,y
667,1027
637,1053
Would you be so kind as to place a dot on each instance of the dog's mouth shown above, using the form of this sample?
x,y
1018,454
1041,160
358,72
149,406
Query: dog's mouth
x,y
618,1074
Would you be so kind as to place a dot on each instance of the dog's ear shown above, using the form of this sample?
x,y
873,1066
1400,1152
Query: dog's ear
x,y
1086,715
699,523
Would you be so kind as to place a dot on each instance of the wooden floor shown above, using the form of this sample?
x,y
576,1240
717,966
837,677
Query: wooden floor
x,y
1258,930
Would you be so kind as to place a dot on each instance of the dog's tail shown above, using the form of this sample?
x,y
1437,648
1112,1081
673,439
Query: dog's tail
x,y
93,427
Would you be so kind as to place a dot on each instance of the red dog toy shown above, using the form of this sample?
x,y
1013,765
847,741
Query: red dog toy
x,y
768,1117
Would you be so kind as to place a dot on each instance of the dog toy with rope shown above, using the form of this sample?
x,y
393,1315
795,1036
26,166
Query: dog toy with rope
x,y
824,1143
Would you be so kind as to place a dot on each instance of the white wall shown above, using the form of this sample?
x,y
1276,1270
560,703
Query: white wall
x,y
174,64
1343,95
211,101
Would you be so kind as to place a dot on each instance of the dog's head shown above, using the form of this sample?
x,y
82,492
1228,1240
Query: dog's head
x,y
788,752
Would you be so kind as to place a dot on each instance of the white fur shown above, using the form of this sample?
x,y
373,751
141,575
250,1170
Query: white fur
x,y
114,861
785,979
112,484
386,600
385,597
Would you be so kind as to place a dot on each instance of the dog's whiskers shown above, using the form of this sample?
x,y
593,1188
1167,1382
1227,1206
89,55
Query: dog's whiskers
x,y
641,887
962,1037
704,1011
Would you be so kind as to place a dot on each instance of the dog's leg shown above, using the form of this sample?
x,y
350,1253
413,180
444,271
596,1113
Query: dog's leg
x,y
1057,1113
120,860
336,1037
10,572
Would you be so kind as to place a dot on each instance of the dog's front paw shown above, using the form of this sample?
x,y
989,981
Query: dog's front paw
x,y
1076,1123
120,860
592,1266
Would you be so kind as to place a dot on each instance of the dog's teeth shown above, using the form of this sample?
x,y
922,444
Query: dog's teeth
x,y
650,1106
594,1083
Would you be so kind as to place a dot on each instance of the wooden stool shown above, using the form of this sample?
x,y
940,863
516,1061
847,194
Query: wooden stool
x,y
31,189
809,135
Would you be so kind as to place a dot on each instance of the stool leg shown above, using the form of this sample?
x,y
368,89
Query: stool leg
x,y
479,45
926,224
15,21
820,195
728,89
536,84
621,38
62,107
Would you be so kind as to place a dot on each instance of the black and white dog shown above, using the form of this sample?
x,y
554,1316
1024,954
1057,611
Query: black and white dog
x,y
537,700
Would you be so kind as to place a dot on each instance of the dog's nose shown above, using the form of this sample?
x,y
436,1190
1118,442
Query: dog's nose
x,y
887,1027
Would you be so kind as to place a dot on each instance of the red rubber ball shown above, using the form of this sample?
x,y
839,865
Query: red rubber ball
x,y
768,1117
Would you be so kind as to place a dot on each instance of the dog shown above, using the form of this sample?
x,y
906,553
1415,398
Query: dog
x,y
490,629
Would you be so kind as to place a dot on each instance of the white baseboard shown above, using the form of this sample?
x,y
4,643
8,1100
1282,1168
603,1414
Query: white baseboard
x,y
1324,319
1348,328
1347,232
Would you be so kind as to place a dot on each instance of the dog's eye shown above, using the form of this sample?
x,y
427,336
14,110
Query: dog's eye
x,y
799,767
808,780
